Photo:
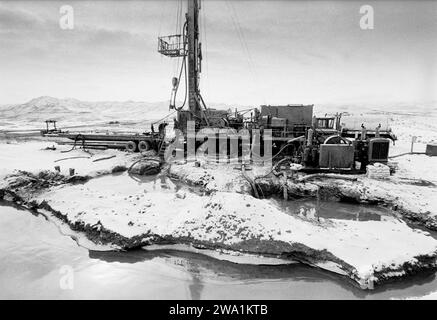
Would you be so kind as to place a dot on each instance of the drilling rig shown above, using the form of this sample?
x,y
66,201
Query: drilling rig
x,y
291,131
319,144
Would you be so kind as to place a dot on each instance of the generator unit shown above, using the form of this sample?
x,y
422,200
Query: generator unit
x,y
378,149
337,156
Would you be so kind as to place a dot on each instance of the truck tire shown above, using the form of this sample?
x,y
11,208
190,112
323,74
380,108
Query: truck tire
x,y
144,146
131,146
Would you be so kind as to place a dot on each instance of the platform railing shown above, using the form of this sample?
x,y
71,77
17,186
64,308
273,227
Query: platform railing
x,y
172,46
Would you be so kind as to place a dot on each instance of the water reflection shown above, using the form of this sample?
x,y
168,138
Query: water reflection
x,y
312,209
32,250
204,270
309,282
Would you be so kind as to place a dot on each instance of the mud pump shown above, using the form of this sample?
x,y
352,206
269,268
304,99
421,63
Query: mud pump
x,y
318,144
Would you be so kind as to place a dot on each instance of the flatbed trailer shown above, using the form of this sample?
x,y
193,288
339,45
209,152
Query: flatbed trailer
x,y
131,142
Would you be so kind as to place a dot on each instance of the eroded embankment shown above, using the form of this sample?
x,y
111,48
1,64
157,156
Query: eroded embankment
x,y
129,213
414,202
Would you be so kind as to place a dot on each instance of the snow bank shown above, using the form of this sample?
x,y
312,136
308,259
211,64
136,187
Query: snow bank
x,y
211,176
412,197
366,251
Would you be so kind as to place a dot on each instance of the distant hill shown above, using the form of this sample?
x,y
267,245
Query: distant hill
x,y
73,112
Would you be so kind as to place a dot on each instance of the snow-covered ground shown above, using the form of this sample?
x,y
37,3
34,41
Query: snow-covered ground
x,y
367,251
34,157
399,191
228,218
430,296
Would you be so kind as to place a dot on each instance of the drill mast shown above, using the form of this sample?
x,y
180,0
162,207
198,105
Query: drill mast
x,y
187,46
194,58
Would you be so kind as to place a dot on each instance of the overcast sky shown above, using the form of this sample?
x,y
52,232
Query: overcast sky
x,y
255,52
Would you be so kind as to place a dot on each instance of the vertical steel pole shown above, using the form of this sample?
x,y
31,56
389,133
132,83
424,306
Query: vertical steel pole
x,y
193,59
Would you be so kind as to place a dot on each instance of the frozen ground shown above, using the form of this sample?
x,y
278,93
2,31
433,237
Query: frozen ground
x,y
220,214
408,192
34,157
366,251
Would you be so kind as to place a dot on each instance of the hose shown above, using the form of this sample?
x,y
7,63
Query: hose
x,y
325,175
251,182
71,158
140,160
75,141
104,158
183,67
405,154
289,143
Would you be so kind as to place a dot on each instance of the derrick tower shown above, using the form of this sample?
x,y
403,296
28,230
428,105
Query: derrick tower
x,y
188,47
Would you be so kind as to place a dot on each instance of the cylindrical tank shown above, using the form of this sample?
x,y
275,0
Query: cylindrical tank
x,y
306,155
310,137
363,133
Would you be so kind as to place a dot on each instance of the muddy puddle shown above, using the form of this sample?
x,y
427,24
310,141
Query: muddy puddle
x,y
313,209
35,258
131,183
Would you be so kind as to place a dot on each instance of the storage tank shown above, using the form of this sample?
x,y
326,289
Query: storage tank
x,y
294,113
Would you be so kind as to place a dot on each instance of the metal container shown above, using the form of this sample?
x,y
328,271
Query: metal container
x,y
431,149
336,156
295,114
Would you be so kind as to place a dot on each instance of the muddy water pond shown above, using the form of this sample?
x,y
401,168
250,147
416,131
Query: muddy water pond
x,y
312,209
38,260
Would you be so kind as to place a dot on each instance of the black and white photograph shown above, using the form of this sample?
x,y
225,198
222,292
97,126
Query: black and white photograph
x,y
218,150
